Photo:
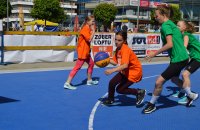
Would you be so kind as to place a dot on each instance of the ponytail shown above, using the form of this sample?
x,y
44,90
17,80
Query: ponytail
x,y
191,28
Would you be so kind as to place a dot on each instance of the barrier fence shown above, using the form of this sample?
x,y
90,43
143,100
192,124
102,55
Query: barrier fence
x,y
19,47
30,47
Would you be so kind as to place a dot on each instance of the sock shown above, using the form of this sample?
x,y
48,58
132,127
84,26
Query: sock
x,y
188,91
154,99
67,83
89,80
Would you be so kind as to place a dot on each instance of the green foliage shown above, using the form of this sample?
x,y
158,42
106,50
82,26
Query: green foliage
x,y
48,10
176,15
3,9
105,13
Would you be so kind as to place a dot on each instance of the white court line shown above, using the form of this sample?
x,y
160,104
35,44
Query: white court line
x,y
94,109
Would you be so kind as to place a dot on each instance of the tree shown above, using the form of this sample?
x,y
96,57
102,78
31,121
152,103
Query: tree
x,y
105,13
176,15
3,9
48,10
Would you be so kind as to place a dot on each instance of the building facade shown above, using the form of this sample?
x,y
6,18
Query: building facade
x,y
21,10
128,12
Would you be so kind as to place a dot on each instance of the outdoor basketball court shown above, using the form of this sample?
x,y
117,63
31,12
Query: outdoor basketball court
x,y
38,101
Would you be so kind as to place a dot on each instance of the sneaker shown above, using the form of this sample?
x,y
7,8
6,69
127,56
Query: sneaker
x,y
92,82
149,108
190,100
179,94
69,86
183,100
140,96
108,102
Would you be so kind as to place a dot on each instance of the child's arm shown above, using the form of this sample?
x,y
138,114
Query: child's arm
x,y
186,40
116,69
113,62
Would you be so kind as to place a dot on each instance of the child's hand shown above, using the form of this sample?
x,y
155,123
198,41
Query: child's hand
x,y
92,27
149,56
108,72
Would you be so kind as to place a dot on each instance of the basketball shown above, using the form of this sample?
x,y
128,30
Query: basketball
x,y
101,59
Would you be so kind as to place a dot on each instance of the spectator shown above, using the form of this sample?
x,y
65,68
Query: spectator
x,y
41,28
21,28
36,28
124,28
135,30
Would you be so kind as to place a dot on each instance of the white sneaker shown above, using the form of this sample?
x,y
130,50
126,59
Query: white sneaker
x,y
92,82
190,99
68,86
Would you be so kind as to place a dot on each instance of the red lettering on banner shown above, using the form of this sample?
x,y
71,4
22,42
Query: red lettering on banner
x,y
153,39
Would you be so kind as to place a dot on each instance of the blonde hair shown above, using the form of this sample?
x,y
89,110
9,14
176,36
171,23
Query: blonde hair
x,y
88,18
165,10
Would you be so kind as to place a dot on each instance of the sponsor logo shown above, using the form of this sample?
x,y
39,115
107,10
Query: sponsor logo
x,y
139,40
153,39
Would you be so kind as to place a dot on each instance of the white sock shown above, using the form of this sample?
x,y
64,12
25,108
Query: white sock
x,y
187,90
189,93
67,83
154,99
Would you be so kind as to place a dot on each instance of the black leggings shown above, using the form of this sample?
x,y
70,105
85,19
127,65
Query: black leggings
x,y
121,83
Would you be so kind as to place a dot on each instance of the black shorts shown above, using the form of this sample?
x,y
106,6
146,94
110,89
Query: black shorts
x,y
192,66
174,69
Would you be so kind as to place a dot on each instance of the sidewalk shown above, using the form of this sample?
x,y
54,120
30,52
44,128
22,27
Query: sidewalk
x,y
63,65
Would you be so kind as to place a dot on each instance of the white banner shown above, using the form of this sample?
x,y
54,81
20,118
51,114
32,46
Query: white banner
x,y
142,44
32,56
103,42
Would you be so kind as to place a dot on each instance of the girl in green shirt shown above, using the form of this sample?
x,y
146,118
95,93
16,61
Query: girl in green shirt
x,y
193,47
173,43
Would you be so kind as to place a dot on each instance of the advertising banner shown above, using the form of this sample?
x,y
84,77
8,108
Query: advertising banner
x,y
103,42
143,44
138,43
134,2
144,3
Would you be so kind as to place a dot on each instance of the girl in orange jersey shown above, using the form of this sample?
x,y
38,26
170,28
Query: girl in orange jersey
x,y
83,49
129,71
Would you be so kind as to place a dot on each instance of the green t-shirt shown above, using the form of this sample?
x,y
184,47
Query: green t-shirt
x,y
193,46
178,52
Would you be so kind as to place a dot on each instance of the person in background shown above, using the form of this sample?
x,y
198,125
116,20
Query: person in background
x,y
41,28
193,47
36,28
124,28
83,49
21,28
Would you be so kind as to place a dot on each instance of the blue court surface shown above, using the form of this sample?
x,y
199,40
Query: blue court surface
x,y
38,101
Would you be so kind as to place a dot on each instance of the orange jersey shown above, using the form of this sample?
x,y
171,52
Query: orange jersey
x,y
83,48
126,56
